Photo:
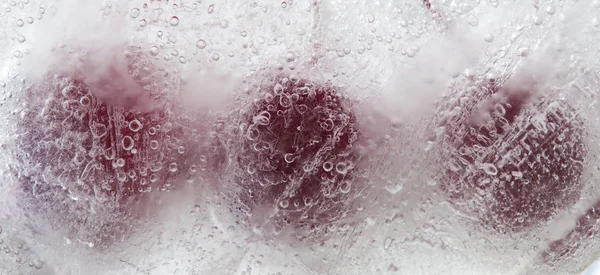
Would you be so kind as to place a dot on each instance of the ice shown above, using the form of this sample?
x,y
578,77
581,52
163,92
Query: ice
x,y
298,137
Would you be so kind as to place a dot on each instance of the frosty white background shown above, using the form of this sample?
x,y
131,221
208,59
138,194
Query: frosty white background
x,y
154,137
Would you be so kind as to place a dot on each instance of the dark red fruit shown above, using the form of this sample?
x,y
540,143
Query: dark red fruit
x,y
79,139
512,157
80,155
296,152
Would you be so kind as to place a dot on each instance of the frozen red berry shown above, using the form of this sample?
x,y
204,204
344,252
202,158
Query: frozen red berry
x,y
296,152
512,157
84,146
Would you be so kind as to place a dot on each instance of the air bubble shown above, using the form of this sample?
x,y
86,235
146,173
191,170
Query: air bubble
x,y
201,44
371,18
153,144
119,162
262,118
290,57
524,51
173,167
154,50
489,169
127,143
345,187
135,125
473,21
308,201
174,21
143,171
37,264
517,174
284,101
301,108
278,89
289,157
252,133
284,203
224,24
327,125
342,167
98,130
499,110
134,13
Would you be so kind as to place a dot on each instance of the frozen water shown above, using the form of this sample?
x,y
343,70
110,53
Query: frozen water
x,y
299,137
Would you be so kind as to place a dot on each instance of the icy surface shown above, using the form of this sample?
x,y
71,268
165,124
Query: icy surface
x,y
299,137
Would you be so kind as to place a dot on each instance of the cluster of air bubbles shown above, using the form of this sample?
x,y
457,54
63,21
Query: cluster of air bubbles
x,y
167,35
